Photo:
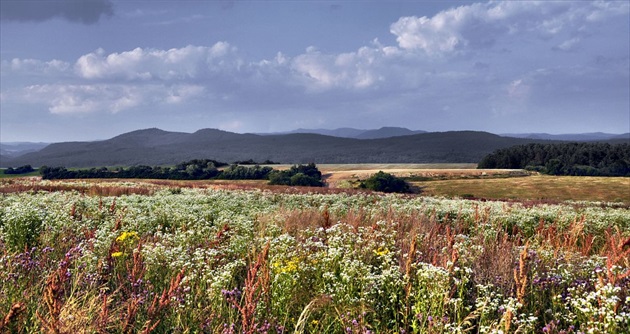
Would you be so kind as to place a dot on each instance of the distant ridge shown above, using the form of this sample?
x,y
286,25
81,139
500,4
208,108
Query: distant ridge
x,y
384,132
340,132
155,147
5,160
592,136
387,132
15,149
158,147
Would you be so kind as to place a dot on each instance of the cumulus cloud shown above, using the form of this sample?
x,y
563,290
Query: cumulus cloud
x,y
35,66
84,11
480,26
146,64
84,99
454,67
77,99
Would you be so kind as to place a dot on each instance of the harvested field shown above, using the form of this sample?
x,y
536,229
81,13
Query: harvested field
x,y
535,187
345,176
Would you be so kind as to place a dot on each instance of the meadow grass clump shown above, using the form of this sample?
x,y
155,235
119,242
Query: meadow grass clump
x,y
252,261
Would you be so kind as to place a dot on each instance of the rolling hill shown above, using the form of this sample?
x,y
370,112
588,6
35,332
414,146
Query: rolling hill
x,y
384,132
158,147
579,137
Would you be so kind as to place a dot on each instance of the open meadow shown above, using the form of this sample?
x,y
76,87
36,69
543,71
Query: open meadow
x,y
464,180
158,256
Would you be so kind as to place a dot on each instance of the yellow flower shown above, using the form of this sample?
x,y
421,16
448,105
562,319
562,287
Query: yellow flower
x,y
288,267
117,254
127,235
381,251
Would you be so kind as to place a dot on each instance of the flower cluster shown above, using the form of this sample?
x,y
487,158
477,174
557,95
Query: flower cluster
x,y
218,261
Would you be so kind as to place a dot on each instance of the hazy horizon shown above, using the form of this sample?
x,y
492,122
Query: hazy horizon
x,y
107,67
317,129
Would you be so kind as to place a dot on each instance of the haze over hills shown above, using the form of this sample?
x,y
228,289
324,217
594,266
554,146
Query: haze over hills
x,y
592,136
18,148
384,132
386,145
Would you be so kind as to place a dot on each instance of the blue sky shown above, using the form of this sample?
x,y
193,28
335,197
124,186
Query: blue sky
x,y
93,69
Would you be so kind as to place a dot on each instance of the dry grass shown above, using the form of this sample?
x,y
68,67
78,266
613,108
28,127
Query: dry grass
x,y
560,188
451,180
510,258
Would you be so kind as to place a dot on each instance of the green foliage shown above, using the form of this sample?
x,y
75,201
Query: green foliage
x,y
19,170
216,261
252,162
190,170
580,159
385,182
298,175
21,226
236,172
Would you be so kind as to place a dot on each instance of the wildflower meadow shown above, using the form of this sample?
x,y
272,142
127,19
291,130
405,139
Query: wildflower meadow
x,y
184,260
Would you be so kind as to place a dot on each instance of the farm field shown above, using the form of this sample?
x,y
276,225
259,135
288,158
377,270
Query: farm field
x,y
464,180
535,187
126,256
449,180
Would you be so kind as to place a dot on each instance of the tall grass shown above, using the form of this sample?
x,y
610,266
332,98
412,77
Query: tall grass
x,y
217,261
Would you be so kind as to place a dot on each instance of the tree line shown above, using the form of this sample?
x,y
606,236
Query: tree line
x,y
19,170
580,159
298,175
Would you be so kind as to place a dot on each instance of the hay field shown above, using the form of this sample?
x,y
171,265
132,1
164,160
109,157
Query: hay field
x,y
535,187
464,180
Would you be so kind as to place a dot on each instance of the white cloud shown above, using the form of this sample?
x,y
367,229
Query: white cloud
x,y
352,70
35,66
518,90
568,45
459,64
479,26
84,99
140,64
183,93
110,98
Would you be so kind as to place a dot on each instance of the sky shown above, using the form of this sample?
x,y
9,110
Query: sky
x,y
76,70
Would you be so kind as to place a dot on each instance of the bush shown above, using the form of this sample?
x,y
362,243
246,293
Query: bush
x,y
299,175
19,170
385,182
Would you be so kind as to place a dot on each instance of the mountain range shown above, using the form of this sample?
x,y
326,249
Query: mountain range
x,y
386,145
384,132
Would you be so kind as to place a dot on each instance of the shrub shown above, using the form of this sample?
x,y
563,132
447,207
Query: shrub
x,y
385,182
298,175
19,170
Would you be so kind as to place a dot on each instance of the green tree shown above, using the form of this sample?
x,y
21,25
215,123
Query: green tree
x,y
298,175
385,182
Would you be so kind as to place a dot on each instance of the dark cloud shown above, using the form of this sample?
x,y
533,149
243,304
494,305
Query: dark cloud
x,y
80,11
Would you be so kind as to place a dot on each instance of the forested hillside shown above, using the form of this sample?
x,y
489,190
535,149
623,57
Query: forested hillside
x,y
154,147
596,159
